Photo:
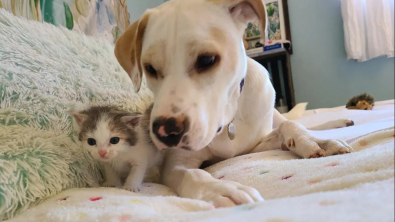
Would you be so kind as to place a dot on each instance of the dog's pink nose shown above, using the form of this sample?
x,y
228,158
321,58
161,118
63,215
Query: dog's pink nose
x,y
162,131
102,153
170,130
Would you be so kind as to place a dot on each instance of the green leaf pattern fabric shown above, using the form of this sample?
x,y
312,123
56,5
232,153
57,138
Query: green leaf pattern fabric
x,y
44,72
103,18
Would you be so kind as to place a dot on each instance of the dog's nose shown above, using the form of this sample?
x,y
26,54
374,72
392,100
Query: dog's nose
x,y
170,130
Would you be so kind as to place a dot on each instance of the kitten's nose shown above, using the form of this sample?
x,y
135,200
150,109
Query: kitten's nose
x,y
102,153
170,130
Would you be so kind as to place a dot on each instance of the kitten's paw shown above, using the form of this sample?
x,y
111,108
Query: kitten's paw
x,y
111,184
134,188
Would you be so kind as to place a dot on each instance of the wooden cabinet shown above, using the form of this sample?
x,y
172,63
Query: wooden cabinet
x,y
278,63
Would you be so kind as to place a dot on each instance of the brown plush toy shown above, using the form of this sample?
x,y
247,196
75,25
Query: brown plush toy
x,y
362,102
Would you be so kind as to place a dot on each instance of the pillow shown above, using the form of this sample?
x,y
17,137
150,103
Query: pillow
x,y
44,72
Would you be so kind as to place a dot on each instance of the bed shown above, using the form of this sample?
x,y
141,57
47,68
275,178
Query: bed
x,y
354,187
46,176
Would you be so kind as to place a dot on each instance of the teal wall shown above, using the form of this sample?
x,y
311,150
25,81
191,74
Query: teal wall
x,y
137,7
322,75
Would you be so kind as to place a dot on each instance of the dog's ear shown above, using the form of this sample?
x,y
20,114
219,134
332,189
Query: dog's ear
x,y
245,11
128,50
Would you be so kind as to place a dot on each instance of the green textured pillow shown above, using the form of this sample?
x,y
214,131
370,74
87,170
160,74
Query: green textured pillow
x,y
44,72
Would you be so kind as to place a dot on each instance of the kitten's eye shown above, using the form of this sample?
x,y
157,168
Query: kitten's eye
x,y
114,140
91,141
151,70
205,62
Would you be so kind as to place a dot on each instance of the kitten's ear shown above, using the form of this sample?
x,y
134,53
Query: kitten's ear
x,y
131,121
78,117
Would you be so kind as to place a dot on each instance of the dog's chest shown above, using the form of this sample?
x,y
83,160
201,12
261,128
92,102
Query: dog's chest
x,y
222,146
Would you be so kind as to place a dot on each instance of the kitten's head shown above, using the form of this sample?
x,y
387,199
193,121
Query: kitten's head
x,y
106,131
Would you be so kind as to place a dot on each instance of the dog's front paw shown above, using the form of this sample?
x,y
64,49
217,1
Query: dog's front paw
x,y
310,147
298,140
334,147
229,193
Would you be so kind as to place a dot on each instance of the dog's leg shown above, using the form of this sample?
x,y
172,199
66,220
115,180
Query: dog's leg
x,y
293,136
181,173
334,124
278,118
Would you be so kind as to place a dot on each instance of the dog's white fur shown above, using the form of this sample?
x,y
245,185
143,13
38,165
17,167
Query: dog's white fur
x,y
170,38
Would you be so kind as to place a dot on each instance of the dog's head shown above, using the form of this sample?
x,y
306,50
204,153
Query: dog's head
x,y
194,60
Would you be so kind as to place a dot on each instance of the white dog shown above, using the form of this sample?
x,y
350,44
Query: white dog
x,y
194,60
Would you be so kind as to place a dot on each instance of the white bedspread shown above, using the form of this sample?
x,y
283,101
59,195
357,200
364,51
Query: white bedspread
x,y
354,187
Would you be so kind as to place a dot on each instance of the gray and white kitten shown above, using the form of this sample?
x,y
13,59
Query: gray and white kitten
x,y
120,141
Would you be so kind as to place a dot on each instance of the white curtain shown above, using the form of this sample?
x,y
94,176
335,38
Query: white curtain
x,y
368,28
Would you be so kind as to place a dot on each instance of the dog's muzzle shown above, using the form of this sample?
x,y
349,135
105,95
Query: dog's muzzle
x,y
170,131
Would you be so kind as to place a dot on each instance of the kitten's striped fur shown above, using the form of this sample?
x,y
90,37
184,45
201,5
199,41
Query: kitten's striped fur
x,y
130,155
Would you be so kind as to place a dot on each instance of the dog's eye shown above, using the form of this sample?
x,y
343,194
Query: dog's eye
x,y
205,62
151,70
91,141
114,140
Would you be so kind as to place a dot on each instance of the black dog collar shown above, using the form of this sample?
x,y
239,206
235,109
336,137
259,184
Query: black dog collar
x,y
231,126
241,85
